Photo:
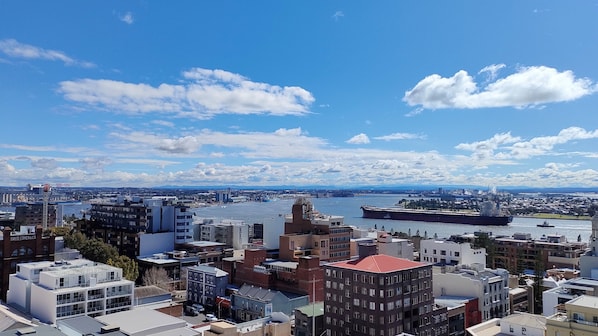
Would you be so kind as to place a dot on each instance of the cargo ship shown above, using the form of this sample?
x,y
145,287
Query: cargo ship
x,y
487,218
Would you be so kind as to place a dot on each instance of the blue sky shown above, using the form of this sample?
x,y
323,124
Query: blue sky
x,y
271,93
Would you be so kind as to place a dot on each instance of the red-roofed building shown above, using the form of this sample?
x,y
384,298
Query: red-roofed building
x,y
381,295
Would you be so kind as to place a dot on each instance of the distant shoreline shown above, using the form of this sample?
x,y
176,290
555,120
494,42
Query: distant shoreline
x,y
555,216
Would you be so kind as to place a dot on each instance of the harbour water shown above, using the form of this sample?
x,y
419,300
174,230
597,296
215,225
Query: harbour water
x,y
271,214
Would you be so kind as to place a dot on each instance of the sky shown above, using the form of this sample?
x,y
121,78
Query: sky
x,y
299,93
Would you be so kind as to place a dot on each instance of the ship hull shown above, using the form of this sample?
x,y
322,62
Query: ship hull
x,y
434,216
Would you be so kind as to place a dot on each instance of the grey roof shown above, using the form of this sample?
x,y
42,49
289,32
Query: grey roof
x,y
45,330
257,293
149,291
261,294
314,309
86,325
142,321
12,319
525,319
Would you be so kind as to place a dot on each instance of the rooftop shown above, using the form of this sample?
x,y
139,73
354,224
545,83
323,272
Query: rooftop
x,y
379,263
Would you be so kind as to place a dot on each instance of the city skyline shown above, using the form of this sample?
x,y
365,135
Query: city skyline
x,y
338,94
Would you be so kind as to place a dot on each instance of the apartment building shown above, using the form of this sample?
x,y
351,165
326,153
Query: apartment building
x,y
520,252
32,214
447,252
381,295
579,318
137,226
490,286
310,233
233,233
27,245
554,298
50,291
205,284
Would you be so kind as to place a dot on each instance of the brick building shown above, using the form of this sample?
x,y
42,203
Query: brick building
x,y
22,247
381,295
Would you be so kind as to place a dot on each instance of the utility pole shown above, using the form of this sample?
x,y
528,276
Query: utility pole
x,y
46,197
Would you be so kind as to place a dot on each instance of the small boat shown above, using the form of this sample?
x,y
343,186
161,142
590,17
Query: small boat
x,y
545,224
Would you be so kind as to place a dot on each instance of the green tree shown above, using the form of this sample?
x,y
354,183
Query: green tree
x,y
60,231
75,240
128,265
98,251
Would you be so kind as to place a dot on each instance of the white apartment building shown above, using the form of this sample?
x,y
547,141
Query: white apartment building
x,y
234,233
556,297
451,253
170,215
490,286
588,262
396,247
50,291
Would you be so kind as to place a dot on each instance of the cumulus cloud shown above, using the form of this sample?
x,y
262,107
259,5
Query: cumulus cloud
x,y
359,139
16,49
543,145
203,94
486,148
528,86
399,136
506,146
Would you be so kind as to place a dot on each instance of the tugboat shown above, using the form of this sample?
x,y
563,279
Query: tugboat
x,y
545,224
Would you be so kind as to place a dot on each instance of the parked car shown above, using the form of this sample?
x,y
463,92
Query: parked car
x,y
198,307
211,317
190,311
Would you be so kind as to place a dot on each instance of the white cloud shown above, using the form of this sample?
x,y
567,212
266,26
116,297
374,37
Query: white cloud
x,y
127,18
399,136
163,123
204,94
529,86
543,145
359,139
15,49
504,146
337,15
491,71
44,163
485,149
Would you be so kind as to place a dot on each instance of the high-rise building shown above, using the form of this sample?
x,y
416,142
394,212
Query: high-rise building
x,y
381,295
137,226
310,233
32,214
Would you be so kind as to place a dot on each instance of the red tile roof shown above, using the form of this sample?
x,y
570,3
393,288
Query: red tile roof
x,y
379,263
